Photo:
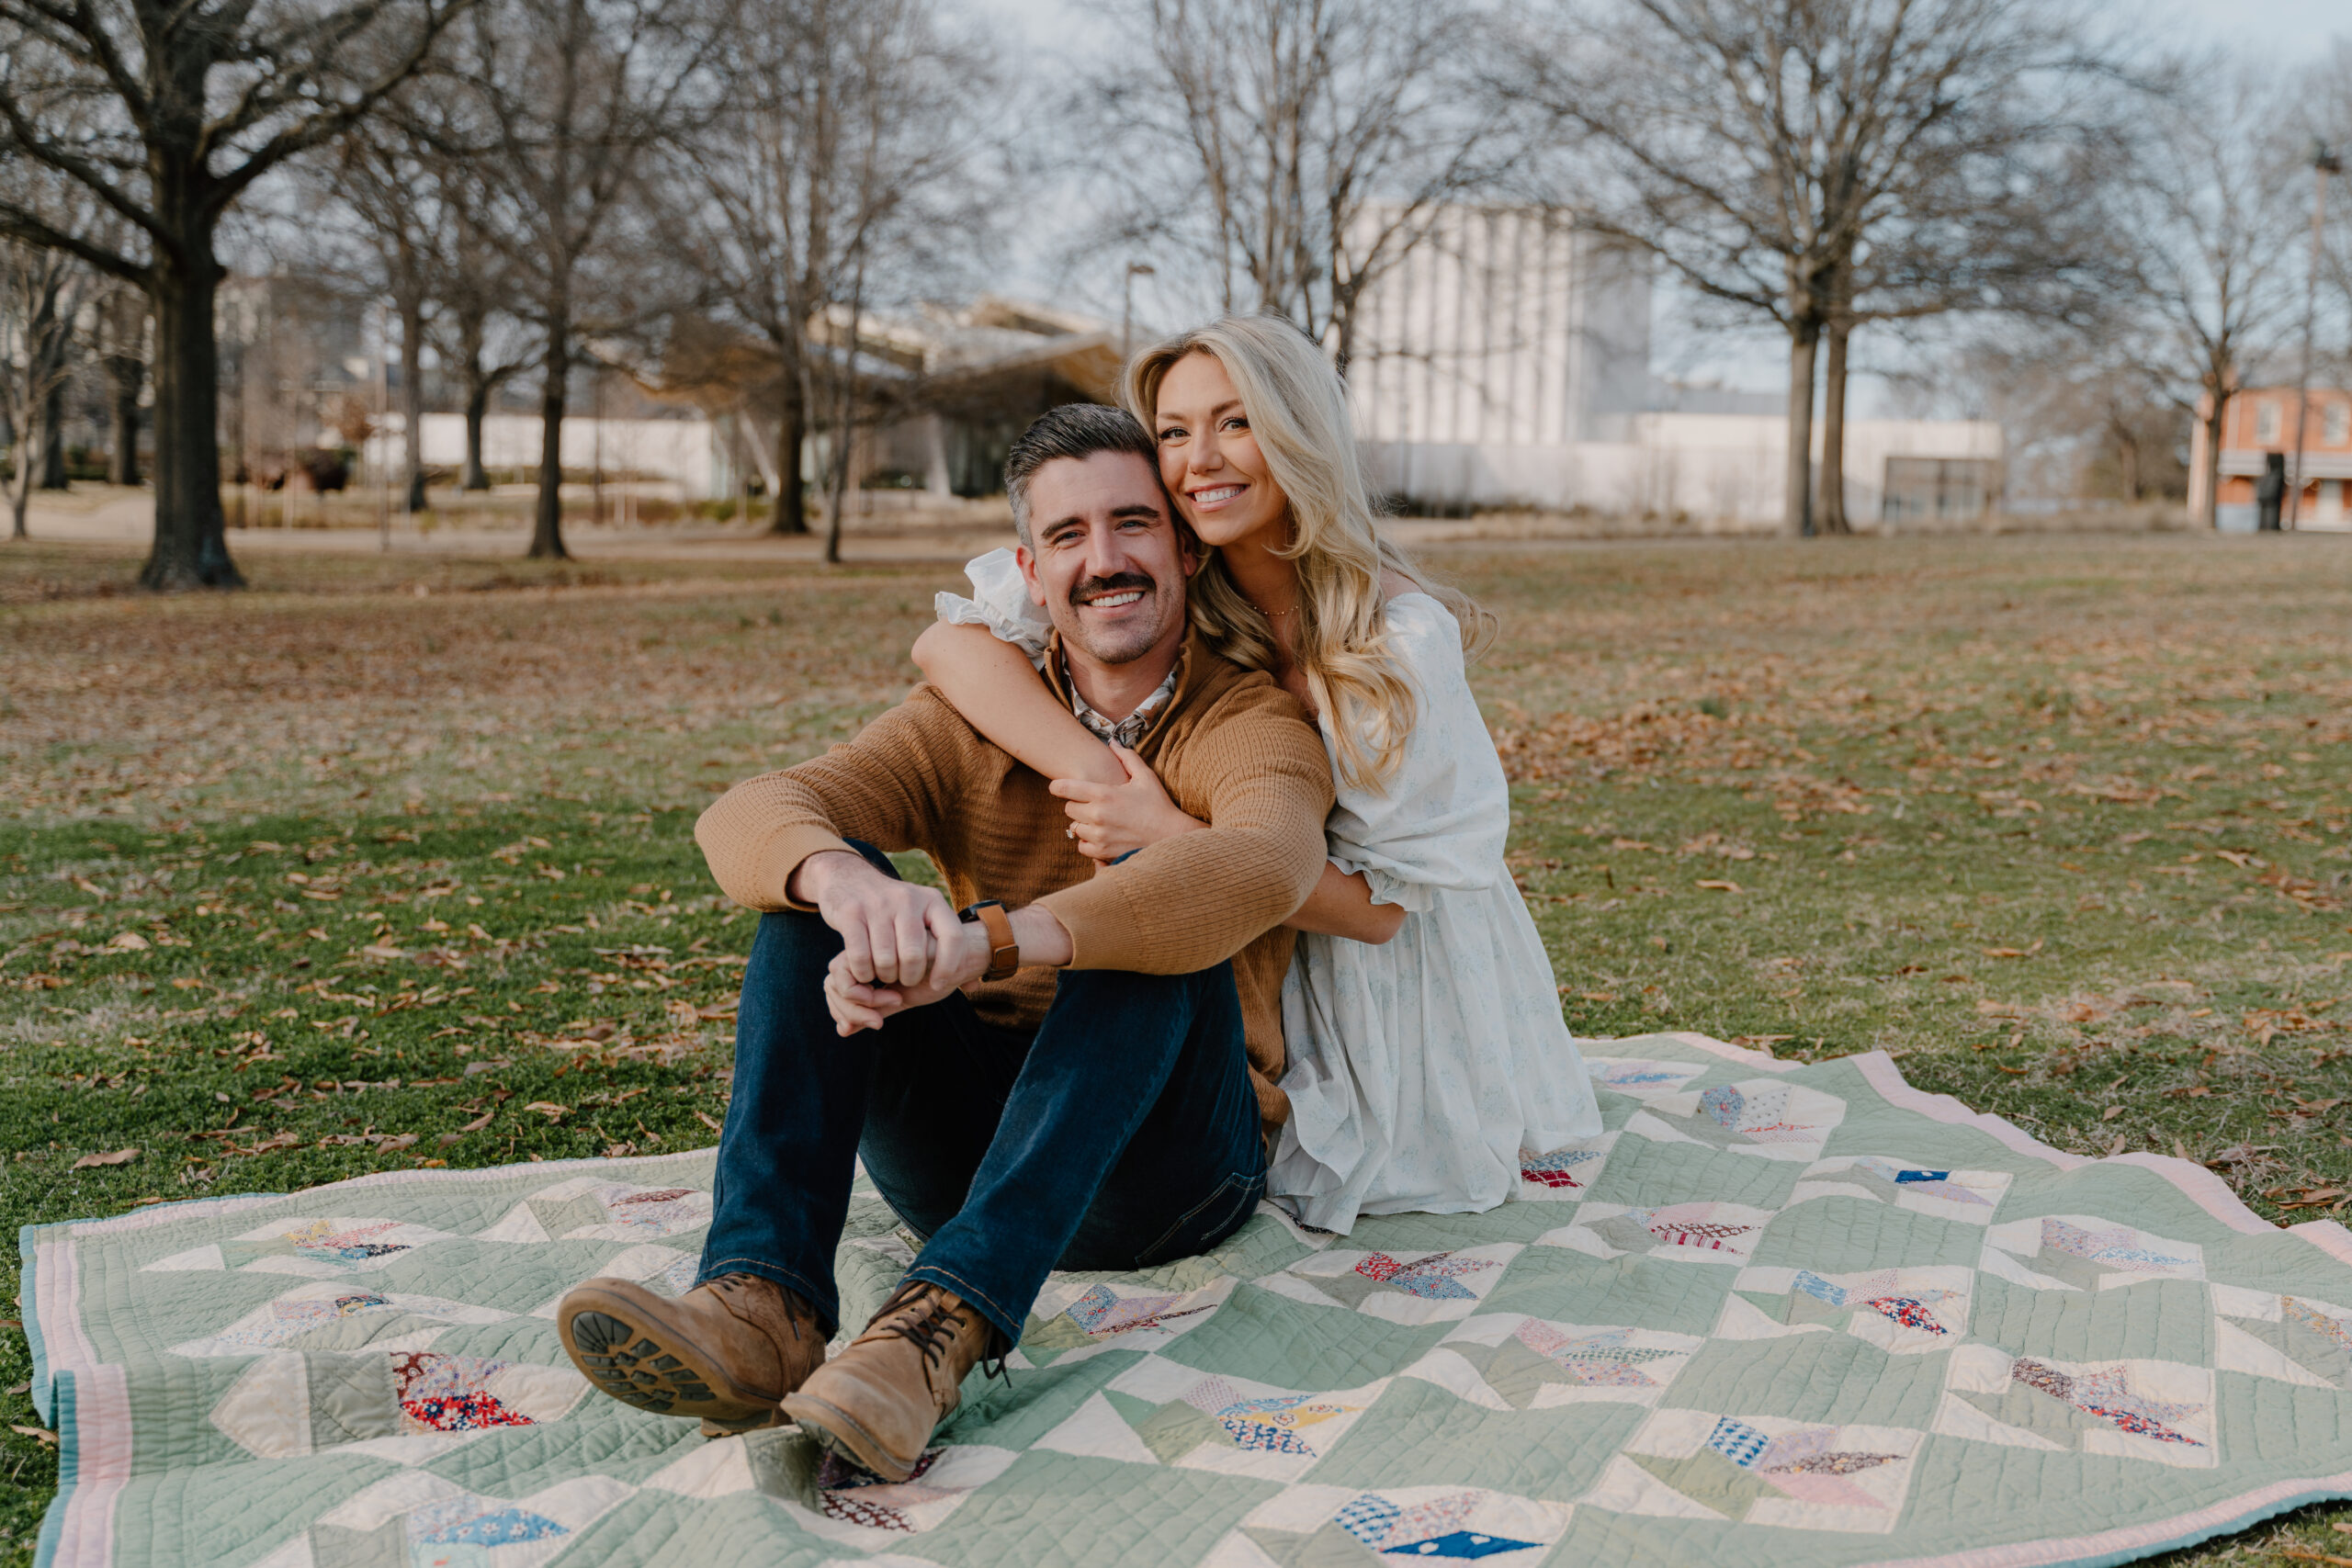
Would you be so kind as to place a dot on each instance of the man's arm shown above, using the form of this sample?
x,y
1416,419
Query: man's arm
x,y
777,841
1197,898
886,788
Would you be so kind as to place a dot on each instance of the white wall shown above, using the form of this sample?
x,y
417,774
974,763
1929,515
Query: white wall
x,y
689,453
1723,468
1502,326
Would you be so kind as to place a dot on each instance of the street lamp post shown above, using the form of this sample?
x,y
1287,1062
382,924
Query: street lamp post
x,y
1128,306
2326,161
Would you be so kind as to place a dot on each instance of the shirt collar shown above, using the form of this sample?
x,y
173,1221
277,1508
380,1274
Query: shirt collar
x,y
1129,731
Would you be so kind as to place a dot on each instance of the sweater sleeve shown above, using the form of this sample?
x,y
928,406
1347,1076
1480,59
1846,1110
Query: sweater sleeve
x,y
1198,899
886,787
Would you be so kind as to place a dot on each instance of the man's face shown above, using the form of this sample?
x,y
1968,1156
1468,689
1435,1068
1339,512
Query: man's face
x,y
1105,561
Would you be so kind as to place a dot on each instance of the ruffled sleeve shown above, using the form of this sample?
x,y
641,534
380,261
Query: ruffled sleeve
x,y
1445,816
999,602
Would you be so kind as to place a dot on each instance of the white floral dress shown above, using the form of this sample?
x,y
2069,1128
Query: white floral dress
x,y
1419,1069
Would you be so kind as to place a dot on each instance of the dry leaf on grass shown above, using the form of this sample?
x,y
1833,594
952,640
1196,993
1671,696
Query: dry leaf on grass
x,y
269,1145
119,1157
547,1108
43,1433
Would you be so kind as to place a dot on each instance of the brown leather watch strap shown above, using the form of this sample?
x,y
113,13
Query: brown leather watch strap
x,y
1004,949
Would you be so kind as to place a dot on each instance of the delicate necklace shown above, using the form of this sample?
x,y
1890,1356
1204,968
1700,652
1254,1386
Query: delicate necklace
x,y
1270,615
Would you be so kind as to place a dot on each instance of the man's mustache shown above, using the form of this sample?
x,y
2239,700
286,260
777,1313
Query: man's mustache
x,y
1119,582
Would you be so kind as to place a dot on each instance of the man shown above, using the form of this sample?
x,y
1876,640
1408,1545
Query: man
x,y
1111,1118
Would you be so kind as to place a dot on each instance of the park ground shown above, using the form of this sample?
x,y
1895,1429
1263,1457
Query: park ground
x,y
388,860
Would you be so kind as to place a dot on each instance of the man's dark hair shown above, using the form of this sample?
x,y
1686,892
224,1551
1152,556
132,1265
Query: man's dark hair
x,y
1073,430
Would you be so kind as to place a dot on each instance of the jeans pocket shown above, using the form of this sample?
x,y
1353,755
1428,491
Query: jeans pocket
x,y
1208,1221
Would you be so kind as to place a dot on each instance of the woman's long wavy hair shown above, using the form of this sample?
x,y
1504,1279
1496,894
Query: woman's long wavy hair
x,y
1298,408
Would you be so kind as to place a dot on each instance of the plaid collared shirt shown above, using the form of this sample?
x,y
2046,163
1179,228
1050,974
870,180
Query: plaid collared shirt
x,y
1126,731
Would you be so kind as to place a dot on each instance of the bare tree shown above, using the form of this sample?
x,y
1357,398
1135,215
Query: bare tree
x,y
41,296
2207,223
2007,220
574,98
854,136
1761,148
1300,149
167,115
482,341
381,176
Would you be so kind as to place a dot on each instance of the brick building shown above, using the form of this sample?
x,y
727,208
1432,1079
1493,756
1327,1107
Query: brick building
x,y
2261,421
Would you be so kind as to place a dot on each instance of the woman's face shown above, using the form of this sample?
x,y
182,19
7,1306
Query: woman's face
x,y
1209,461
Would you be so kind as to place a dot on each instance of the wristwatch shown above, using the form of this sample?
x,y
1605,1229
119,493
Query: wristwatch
x,y
1004,950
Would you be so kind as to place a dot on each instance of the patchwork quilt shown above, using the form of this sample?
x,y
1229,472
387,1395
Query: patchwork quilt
x,y
1774,1315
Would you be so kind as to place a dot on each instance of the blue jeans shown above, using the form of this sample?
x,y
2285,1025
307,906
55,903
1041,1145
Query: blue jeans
x,y
1122,1134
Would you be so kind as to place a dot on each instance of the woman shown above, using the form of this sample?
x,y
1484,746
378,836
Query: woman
x,y
1423,1027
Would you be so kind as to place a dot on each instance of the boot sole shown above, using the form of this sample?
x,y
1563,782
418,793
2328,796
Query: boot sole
x,y
839,1433
624,1350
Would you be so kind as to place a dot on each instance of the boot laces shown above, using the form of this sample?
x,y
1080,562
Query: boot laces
x,y
918,1312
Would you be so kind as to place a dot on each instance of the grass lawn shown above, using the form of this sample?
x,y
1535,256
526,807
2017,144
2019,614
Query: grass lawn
x,y
390,861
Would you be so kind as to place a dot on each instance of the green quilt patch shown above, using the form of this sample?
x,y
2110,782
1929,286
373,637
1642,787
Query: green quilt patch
x,y
1774,1315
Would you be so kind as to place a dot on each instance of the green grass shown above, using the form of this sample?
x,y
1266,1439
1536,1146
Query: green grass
x,y
328,878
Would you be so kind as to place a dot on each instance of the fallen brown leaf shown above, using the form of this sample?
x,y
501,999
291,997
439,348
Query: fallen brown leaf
x,y
1717,885
549,1110
119,1157
43,1433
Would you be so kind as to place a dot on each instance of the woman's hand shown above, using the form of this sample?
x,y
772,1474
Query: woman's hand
x,y
1109,821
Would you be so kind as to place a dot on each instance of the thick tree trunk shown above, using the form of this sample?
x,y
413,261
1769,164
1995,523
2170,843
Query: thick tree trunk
x,y
191,548
1796,496
125,375
52,437
791,515
477,406
412,400
1832,518
546,533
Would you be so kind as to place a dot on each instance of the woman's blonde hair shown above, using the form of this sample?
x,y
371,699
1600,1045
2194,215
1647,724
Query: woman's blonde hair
x,y
1298,408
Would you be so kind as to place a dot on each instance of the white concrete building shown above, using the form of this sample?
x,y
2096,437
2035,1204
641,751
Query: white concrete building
x,y
1505,362
692,453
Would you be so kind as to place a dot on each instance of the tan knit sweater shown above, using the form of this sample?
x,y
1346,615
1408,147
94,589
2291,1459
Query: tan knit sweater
x,y
1232,747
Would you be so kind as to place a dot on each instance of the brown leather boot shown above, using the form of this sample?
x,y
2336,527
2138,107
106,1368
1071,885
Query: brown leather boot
x,y
727,1351
877,1403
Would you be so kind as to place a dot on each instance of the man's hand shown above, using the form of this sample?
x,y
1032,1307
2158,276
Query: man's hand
x,y
890,929
961,959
